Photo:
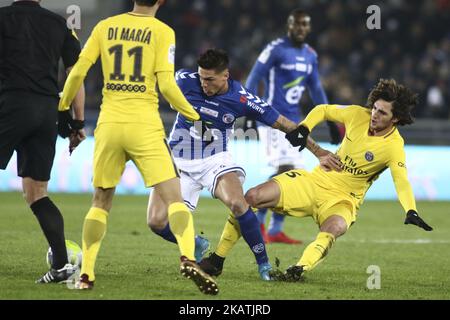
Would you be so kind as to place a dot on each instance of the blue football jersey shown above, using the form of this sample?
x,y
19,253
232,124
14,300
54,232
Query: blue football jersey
x,y
219,112
287,70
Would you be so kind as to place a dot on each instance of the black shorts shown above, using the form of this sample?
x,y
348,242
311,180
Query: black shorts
x,y
28,124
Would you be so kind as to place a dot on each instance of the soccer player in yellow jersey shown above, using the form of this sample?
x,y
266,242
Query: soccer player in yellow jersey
x,y
137,52
372,144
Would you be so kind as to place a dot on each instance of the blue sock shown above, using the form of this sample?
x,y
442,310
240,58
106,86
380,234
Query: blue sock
x,y
276,223
261,215
252,235
166,234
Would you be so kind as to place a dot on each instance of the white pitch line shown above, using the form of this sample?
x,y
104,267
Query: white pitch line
x,y
396,241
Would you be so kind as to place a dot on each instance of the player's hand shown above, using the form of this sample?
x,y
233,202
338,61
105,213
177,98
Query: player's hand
x,y
412,217
75,139
67,125
330,162
298,137
64,119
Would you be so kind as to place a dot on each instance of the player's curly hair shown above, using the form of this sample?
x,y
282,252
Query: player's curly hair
x,y
214,59
147,3
402,98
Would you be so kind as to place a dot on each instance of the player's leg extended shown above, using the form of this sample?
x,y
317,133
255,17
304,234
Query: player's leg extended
x,y
229,191
157,217
333,226
108,166
180,218
231,233
158,222
265,195
182,226
52,225
94,230
49,217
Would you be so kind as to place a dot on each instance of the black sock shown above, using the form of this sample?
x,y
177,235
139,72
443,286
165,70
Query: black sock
x,y
216,260
52,224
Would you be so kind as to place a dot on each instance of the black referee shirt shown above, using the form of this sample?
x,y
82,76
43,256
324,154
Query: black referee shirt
x,y
32,40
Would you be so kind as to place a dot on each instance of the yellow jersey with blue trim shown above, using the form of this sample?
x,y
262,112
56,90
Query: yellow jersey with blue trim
x,y
364,157
133,48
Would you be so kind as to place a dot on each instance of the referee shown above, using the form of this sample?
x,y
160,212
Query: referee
x,y
32,41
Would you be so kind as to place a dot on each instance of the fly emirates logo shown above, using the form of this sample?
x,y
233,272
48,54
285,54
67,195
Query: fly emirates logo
x,y
350,166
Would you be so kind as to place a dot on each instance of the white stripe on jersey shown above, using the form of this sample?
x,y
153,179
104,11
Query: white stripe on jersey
x,y
271,86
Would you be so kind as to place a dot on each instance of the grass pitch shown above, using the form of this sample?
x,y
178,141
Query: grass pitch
x,y
136,264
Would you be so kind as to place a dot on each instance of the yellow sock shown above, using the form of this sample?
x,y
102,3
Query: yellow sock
x,y
316,251
182,226
94,230
230,235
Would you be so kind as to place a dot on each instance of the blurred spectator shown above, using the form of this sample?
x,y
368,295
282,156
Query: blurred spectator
x,y
413,45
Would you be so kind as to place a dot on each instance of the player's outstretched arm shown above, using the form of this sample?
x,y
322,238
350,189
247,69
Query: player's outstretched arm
x,y
78,104
412,217
172,93
296,135
284,124
74,82
328,160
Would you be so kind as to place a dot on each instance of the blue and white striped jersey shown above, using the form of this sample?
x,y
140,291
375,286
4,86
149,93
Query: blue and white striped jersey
x,y
287,70
220,113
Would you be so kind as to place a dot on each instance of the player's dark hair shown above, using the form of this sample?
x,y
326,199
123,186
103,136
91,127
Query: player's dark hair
x,y
213,59
402,98
147,3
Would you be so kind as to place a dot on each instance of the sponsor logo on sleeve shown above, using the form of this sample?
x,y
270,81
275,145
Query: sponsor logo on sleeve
x,y
172,54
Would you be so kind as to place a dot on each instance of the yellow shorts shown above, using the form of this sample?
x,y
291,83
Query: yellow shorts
x,y
302,197
116,143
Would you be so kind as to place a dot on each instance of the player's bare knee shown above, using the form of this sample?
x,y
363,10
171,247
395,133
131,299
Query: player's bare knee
x,y
238,206
156,223
33,190
103,198
28,197
252,197
335,225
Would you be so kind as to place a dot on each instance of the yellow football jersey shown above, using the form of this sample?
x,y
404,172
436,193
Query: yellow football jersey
x,y
133,48
364,157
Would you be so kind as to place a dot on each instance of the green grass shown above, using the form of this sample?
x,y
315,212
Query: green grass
x,y
135,264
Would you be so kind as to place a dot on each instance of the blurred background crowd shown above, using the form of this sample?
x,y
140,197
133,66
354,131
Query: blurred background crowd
x,y
412,46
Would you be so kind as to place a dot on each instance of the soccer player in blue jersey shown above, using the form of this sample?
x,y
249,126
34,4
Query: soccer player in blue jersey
x,y
201,154
287,66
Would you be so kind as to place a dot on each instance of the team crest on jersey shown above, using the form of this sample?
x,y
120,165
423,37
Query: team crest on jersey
x,y
228,118
369,156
